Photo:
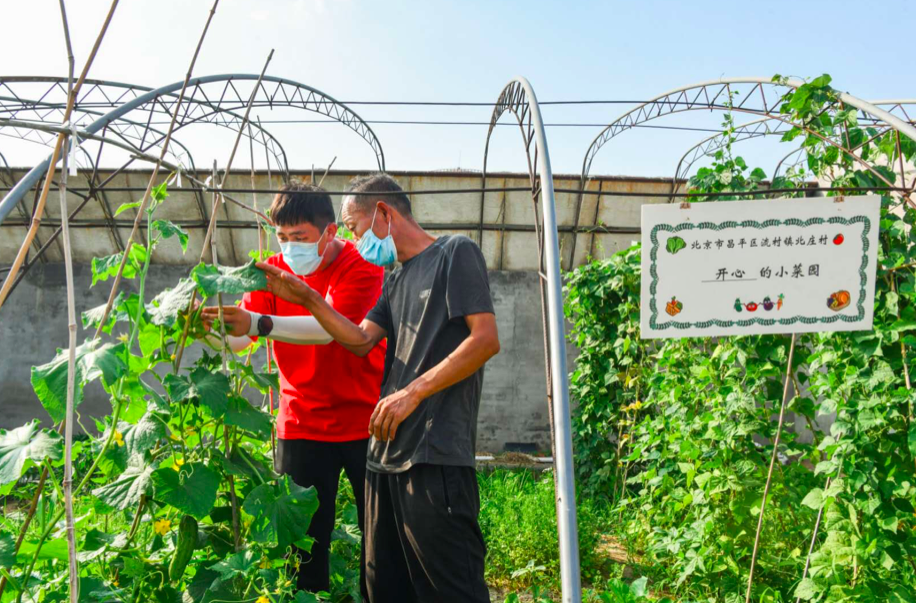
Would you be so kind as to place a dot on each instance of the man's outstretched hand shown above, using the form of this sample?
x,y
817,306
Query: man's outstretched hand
x,y
285,285
237,321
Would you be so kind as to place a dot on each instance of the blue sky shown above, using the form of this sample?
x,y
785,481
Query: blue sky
x,y
467,51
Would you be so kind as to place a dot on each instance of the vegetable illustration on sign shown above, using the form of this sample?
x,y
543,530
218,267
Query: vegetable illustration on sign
x,y
768,303
738,305
674,307
751,307
675,244
838,240
838,300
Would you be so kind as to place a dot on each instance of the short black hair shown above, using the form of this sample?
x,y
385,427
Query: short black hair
x,y
299,202
380,183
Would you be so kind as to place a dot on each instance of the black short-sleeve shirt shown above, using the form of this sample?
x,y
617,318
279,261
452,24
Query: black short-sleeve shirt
x,y
422,308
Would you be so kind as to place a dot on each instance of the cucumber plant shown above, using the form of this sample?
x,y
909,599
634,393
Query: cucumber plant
x,y
176,498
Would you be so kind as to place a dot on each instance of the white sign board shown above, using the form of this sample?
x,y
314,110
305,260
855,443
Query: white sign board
x,y
753,267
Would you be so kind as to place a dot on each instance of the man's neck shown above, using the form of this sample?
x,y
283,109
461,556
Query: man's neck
x,y
412,242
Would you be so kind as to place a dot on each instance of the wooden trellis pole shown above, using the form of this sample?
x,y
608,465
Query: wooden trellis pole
x,y
179,352
766,488
71,329
55,156
149,187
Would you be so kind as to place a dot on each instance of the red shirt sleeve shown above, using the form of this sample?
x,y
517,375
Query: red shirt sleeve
x,y
356,294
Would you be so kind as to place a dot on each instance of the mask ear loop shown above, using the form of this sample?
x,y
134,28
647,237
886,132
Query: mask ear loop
x,y
318,242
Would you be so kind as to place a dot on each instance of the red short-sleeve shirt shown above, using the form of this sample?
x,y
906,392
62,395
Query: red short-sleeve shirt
x,y
327,392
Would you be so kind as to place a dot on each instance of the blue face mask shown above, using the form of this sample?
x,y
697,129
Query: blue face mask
x,y
374,250
302,258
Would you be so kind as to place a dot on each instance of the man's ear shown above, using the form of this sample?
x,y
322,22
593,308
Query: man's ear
x,y
332,230
386,212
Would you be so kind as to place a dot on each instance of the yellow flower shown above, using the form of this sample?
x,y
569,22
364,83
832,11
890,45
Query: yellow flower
x,y
162,527
173,356
174,436
263,599
265,564
118,438
116,583
122,337
178,464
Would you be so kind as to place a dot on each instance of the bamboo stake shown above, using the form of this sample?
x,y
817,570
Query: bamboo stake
x,y
267,344
179,352
55,156
766,488
817,526
71,327
327,170
149,187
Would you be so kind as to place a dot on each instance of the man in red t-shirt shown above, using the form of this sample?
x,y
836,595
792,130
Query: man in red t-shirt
x,y
327,394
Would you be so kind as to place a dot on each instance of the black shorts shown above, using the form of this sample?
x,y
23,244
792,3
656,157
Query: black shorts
x,y
423,543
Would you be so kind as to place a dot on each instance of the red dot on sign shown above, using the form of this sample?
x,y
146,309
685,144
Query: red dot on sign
x,y
838,240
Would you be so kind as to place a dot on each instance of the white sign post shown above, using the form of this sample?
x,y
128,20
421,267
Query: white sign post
x,y
753,267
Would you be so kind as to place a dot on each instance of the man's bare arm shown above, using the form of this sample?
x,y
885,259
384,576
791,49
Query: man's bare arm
x,y
359,339
481,345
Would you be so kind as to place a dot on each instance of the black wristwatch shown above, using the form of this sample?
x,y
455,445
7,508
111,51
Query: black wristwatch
x,y
265,325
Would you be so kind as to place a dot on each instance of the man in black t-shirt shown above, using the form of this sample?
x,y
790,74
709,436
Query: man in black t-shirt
x,y
423,541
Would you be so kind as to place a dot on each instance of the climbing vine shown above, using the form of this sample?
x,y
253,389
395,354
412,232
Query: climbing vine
x,y
678,434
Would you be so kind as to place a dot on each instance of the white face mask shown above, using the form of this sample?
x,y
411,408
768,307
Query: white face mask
x,y
302,258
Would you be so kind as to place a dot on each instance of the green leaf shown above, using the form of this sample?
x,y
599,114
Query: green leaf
x,y
7,551
92,316
889,523
241,414
178,388
638,587
143,436
282,513
165,307
23,446
51,549
241,463
821,82
107,267
169,229
236,565
125,206
814,499
212,389
806,590
125,491
191,490
304,597
93,360
902,594
233,281
160,192
263,382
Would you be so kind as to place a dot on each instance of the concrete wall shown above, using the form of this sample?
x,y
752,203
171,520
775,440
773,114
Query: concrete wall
x,y
34,325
